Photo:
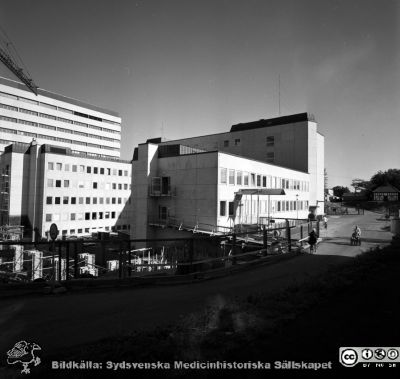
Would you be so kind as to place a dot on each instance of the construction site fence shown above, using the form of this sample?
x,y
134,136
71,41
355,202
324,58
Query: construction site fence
x,y
64,260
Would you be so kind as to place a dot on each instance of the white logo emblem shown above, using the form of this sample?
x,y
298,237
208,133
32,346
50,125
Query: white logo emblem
x,y
348,357
392,354
23,352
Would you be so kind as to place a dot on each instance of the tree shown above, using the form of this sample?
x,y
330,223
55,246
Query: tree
x,y
360,184
338,191
325,180
391,176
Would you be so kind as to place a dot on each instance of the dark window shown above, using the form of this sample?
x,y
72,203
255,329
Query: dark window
x,y
101,170
87,216
94,216
112,214
88,169
73,200
88,200
222,208
58,183
65,200
231,208
94,185
95,170
49,200
270,141
119,172
57,200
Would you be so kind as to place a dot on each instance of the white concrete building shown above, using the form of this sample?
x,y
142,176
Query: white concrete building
x,y
48,184
217,181
58,120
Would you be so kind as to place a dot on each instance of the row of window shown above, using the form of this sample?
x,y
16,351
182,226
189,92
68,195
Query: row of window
x,y
51,117
52,217
61,109
66,183
65,232
251,206
270,141
237,177
87,169
65,200
51,138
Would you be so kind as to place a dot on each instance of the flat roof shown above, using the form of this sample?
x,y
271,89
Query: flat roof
x,y
264,123
56,96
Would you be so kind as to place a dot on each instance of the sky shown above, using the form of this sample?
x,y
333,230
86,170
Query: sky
x,y
182,68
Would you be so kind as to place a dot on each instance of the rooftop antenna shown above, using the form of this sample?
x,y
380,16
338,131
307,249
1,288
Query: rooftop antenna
x,y
279,94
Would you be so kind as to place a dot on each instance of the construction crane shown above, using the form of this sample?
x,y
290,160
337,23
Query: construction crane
x,y
7,59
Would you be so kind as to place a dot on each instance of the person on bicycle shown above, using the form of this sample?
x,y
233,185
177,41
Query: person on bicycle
x,y
312,240
357,231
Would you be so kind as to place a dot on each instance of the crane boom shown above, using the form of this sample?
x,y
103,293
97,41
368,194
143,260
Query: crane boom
x,y
9,62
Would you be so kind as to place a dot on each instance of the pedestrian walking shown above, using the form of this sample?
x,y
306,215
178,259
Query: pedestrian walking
x,y
325,222
312,241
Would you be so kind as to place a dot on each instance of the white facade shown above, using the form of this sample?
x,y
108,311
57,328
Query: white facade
x,y
58,120
203,191
50,184
199,183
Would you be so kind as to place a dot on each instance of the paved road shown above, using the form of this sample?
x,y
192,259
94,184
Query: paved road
x,y
55,322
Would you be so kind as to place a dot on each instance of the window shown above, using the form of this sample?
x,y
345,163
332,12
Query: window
x,y
73,216
246,179
226,143
101,199
107,214
112,214
125,172
270,157
94,200
231,176
94,216
58,166
119,200
239,178
223,175
65,200
81,168
222,208
253,179
88,200
258,180
58,183
50,166
264,179
114,186
101,171
113,200
73,200
49,200
74,168
107,200
109,171
79,231
94,185
270,140
88,169
231,208
119,186
48,217
81,200
66,183
87,215
162,213
66,167
50,183
119,172
237,142
100,215
57,200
